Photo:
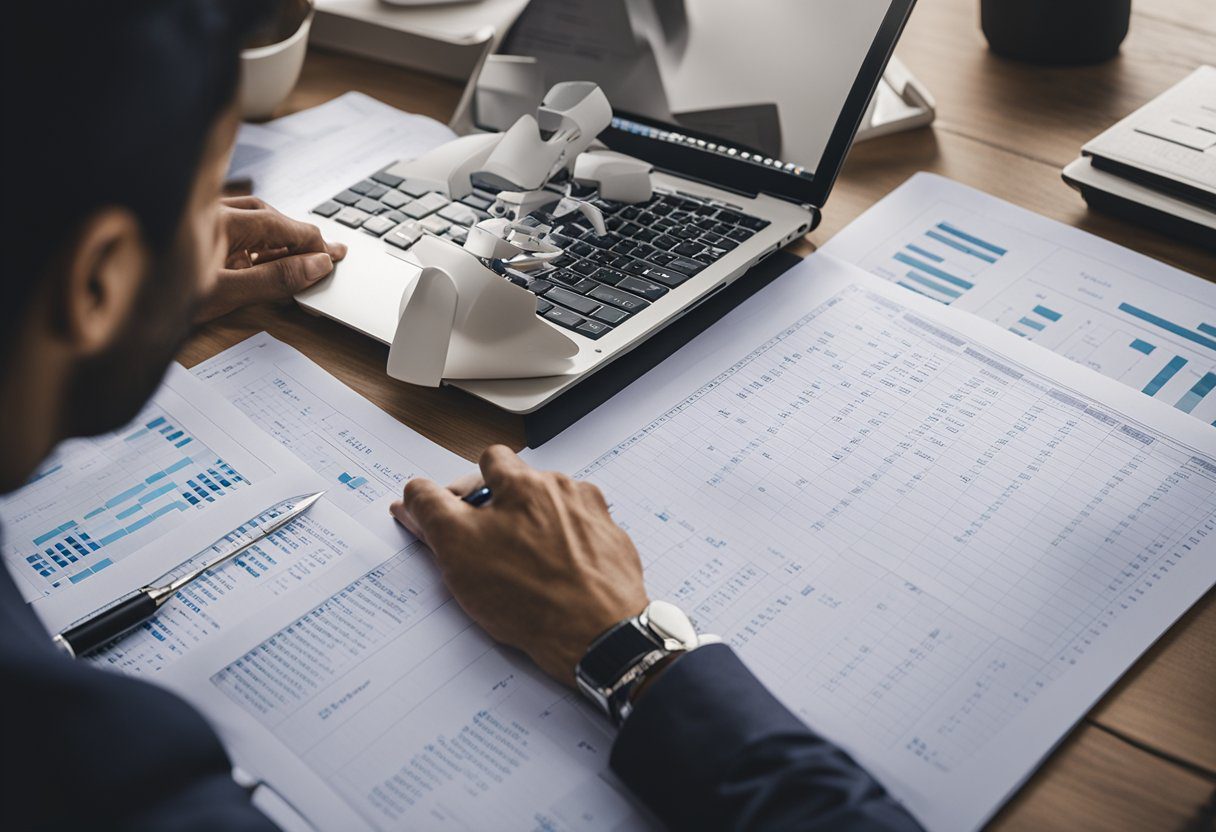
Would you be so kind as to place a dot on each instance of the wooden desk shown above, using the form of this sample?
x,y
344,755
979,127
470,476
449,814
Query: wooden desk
x,y
1145,757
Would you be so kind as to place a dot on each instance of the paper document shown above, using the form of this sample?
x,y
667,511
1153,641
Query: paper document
x,y
299,160
935,542
1125,315
105,515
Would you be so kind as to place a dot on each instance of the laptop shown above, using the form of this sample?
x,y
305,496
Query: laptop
x,y
746,118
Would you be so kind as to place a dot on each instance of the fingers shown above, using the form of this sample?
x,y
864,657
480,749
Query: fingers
x,y
256,227
467,484
425,506
501,468
278,279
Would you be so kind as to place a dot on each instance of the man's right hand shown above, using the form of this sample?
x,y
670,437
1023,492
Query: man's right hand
x,y
543,567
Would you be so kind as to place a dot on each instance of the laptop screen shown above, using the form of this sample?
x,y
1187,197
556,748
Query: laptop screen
x,y
751,91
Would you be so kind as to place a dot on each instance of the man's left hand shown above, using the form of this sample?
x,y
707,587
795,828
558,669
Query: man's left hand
x,y
270,257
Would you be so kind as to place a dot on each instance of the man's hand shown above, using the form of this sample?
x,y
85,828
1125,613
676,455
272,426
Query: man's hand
x,y
270,257
542,567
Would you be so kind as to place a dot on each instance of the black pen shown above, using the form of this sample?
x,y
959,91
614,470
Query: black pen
x,y
114,621
478,497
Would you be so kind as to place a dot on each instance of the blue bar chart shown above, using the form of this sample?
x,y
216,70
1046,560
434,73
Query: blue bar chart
x,y
944,262
110,496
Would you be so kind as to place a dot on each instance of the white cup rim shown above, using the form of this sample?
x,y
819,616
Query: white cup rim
x,y
274,48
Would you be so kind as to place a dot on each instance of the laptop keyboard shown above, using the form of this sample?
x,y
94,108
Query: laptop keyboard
x,y
600,281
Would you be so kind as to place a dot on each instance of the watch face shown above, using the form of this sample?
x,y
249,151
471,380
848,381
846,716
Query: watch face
x,y
614,654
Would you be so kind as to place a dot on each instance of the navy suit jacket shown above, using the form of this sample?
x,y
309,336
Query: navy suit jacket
x,y
706,748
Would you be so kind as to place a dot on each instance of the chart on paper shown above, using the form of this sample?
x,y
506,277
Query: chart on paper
x,y
1147,325
98,500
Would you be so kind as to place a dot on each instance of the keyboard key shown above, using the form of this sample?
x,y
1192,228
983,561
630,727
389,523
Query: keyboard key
x,y
477,202
459,214
424,205
667,278
722,228
394,199
609,276
610,315
395,216
539,287
585,267
328,208
387,179
542,306
379,226
435,224
636,267
405,234
457,233
645,236
351,217
741,234
619,299
661,209
601,240
682,264
688,249
754,223
347,198
666,243
376,192
570,300
629,229
629,213
415,188
581,249
624,246
593,329
369,206
361,188
563,317
732,217
662,258
638,286
685,232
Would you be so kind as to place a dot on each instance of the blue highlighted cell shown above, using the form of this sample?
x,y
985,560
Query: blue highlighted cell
x,y
1049,314
356,482
963,235
46,472
124,496
102,564
124,514
912,288
157,492
1207,329
155,423
110,538
933,270
94,512
177,466
80,576
955,244
1142,346
1195,395
43,538
1033,324
160,512
934,285
183,443
1167,372
924,252
1168,326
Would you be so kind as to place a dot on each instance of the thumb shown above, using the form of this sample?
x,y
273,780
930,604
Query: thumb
x,y
284,277
425,507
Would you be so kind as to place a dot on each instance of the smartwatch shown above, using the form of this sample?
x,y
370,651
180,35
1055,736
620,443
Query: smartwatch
x,y
617,662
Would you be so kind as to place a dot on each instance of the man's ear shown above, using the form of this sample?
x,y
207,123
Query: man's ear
x,y
104,273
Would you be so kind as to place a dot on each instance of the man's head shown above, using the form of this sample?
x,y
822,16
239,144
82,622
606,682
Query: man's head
x,y
118,142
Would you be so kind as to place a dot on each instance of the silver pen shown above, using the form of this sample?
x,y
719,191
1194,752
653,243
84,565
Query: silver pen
x,y
113,621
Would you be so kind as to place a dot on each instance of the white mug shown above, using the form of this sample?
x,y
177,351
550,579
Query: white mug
x,y
268,73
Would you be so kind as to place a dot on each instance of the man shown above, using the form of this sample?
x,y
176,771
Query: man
x,y
121,241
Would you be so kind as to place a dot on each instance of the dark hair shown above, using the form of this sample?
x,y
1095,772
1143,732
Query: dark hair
x,y
109,103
